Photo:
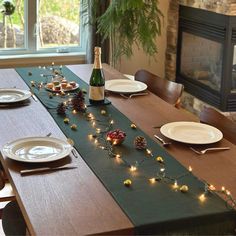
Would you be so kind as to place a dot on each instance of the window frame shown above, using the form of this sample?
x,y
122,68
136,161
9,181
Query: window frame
x,y
31,39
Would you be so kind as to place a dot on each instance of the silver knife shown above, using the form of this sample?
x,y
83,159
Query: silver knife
x,y
34,97
43,169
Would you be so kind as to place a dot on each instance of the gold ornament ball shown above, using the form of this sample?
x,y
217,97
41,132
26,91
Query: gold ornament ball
x,y
127,182
184,188
160,159
66,120
103,112
73,127
133,126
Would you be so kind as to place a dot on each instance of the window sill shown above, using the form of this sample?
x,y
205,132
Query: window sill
x,y
26,60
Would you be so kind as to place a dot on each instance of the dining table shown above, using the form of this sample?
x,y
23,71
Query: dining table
x,y
102,195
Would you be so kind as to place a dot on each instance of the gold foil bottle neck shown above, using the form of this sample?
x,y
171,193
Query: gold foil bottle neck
x,y
97,50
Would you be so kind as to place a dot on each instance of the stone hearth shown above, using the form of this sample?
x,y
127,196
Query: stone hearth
x,y
226,7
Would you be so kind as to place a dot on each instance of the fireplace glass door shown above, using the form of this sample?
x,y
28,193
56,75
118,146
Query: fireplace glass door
x,y
201,60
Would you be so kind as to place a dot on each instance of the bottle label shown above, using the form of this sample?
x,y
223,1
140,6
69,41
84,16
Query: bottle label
x,y
96,93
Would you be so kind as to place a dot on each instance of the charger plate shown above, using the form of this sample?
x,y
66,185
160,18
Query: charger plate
x,y
191,132
13,95
125,86
37,149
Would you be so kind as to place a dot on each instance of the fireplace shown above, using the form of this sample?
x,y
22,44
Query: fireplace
x,y
206,56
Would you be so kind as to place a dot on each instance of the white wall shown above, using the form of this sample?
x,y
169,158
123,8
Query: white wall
x,y
140,60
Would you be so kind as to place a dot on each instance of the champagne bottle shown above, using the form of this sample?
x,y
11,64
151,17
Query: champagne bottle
x,y
97,80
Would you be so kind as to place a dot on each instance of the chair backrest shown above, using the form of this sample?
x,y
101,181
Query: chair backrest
x,y
212,117
167,90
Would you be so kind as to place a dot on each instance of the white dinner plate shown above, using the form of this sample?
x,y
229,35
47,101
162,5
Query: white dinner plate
x,y
124,86
13,95
191,132
37,149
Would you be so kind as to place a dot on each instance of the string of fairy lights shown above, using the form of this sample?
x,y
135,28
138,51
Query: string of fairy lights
x,y
106,144
105,124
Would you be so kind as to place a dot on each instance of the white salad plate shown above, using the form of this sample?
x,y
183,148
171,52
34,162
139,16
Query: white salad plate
x,y
191,132
124,86
13,95
37,149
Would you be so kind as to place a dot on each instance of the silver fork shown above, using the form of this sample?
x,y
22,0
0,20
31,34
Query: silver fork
x,y
164,143
201,152
132,95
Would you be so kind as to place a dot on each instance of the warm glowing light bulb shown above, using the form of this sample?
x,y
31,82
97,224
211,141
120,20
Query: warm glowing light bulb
x,y
202,197
223,189
227,192
90,136
133,168
117,155
65,103
112,122
149,152
162,169
152,180
190,169
74,111
98,130
114,142
175,185
94,123
95,141
90,116
212,187
118,158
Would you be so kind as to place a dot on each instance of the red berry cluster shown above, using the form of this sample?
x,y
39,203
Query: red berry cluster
x,y
116,137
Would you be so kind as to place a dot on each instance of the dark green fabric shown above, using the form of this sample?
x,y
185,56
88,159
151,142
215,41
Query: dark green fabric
x,y
153,208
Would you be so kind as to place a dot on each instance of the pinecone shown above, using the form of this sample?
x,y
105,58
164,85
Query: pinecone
x,y
61,109
77,102
140,142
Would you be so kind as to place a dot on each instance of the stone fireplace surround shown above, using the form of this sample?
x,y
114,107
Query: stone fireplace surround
x,y
226,7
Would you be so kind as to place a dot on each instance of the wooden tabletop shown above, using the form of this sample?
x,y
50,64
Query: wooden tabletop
x,y
75,202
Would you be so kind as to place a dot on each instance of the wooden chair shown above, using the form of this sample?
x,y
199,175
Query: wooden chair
x,y
167,90
212,117
12,219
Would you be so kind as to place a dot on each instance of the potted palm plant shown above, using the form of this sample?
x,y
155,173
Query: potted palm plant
x,y
127,23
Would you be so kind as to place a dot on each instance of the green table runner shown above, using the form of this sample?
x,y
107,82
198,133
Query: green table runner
x,y
152,207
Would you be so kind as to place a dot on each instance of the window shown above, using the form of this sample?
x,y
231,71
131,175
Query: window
x,y
40,26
